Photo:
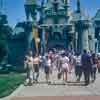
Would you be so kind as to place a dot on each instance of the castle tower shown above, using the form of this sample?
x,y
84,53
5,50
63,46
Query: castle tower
x,y
30,9
2,7
78,6
67,7
55,5
57,23
82,26
3,16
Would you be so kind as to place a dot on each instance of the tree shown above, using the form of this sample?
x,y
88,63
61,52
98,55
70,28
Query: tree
x,y
5,34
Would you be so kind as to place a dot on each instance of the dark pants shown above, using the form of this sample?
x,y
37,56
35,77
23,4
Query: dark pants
x,y
87,73
99,69
93,73
36,68
47,69
78,71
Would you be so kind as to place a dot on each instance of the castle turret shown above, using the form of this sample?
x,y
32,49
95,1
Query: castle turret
x,y
30,9
67,7
82,27
78,6
55,5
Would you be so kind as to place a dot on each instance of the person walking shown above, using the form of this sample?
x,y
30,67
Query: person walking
x,y
47,68
65,67
59,67
71,60
98,65
86,66
29,68
94,67
78,66
36,61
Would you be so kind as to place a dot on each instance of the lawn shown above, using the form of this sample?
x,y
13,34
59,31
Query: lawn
x,y
8,83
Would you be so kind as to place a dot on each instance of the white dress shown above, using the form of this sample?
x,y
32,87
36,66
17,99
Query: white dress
x,y
65,63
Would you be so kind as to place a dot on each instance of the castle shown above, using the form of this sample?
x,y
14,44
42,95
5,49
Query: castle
x,y
66,28
59,27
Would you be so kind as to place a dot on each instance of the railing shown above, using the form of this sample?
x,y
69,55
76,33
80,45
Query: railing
x,y
58,25
53,13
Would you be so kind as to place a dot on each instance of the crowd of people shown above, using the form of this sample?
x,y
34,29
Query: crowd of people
x,y
64,61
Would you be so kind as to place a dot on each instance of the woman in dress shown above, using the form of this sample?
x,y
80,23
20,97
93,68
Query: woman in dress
x,y
65,67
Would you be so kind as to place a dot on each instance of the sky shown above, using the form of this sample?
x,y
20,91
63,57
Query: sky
x,y
15,9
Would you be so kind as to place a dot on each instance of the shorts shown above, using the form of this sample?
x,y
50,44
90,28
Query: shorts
x,y
36,67
47,69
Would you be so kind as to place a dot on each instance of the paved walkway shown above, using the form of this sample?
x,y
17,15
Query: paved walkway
x,y
56,88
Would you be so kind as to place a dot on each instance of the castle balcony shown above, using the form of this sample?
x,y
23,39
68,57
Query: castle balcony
x,y
53,13
68,26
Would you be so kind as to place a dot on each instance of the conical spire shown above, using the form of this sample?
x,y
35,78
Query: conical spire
x,y
67,7
55,5
78,6
1,6
67,2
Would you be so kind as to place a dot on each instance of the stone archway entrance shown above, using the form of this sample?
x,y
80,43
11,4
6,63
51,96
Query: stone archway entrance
x,y
56,44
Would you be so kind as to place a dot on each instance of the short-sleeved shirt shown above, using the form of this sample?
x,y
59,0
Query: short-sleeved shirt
x,y
86,60
48,62
78,60
36,60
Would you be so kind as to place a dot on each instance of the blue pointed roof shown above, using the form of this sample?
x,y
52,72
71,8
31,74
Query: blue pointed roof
x,y
79,16
97,16
49,4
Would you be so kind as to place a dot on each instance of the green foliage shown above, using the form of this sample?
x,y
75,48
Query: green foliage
x,y
5,34
3,19
8,83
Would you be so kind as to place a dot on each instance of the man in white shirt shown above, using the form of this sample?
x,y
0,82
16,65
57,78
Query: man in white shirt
x,y
78,66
